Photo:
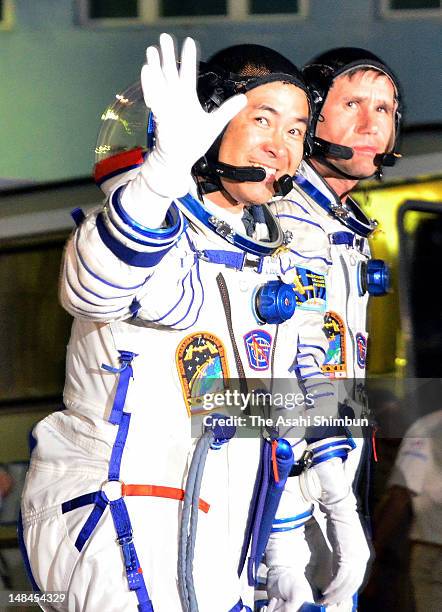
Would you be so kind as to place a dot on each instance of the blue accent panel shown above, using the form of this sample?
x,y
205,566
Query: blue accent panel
x,y
352,223
134,307
311,190
24,553
239,240
126,373
32,441
117,451
78,216
340,453
240,607
333,444
129,256
293,518
231,259
102,280
312,607
145,243
173,220
355,603
300,219
343,238
260,604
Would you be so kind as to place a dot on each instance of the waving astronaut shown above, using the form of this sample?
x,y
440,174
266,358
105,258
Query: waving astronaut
x,y
172,296
355,128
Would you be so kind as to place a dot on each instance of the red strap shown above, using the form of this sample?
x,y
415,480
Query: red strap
x,y
158,491
118,162
274,463
373,442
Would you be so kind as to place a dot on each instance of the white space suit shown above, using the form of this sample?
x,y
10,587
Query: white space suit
x,y
311,203
155,304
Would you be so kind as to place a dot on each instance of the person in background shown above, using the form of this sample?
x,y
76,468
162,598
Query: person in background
x,y
355,128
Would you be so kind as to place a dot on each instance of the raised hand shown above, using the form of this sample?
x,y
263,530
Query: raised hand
x,y
184,130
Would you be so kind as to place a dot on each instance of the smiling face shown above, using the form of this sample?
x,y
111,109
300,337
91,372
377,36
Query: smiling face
x,y
359,113
269,133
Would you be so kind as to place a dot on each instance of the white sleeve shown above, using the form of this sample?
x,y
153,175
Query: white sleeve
x,y
112,260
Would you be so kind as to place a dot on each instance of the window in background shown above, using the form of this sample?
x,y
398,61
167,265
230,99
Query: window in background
x,y
116,12
264,7
113,9
412,8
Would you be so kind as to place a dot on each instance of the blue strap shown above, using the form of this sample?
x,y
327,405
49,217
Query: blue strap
x,y
134,573
284,462
231,259
84,500
78,216
118,448
126,373
118,507
342,238
253,562
252,511
89,526
100,500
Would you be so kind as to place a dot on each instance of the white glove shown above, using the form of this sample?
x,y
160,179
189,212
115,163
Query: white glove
x,y
184,130
350,549
287,555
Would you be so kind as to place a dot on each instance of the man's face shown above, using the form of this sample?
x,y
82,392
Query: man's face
x,y
269,133
359,113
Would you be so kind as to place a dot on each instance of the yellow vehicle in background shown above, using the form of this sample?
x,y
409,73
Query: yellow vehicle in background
x,y
409,213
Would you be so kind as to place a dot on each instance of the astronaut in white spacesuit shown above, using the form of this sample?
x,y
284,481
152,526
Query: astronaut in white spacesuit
x,y
171,298
357,114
